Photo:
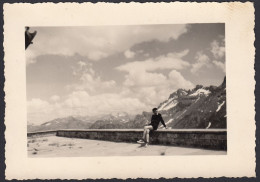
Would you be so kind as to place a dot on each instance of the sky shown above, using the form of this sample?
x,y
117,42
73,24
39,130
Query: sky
x,y
108,69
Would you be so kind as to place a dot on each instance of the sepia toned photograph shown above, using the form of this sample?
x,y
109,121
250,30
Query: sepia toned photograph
x,y
137,90
147,89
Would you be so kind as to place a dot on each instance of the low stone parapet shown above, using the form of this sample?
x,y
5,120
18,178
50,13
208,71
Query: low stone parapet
x,y
42,133
201,138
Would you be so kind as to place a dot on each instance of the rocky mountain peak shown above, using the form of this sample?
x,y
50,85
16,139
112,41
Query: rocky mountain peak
x,y
199,108
178,93
197,87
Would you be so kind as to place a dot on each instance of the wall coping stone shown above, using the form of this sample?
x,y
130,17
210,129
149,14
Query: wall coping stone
x,y
134,130
159,130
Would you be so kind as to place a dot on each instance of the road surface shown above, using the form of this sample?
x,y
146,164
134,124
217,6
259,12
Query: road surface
x,y
53,146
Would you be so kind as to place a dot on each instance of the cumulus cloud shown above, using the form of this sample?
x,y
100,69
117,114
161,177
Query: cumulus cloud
x,y
129,54
89,80
98,42
178,81
55,98
180,54
220,65
132,99
150,96
94,84
37,104
38,110
153,92
169,61
82,67
76,99
218,48
82,103
218,51
146,80
159,32
82,64
103,103
142,90
96,55
202,60
143,78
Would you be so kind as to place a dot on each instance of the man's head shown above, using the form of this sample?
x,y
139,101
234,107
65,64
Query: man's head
x,y
155,110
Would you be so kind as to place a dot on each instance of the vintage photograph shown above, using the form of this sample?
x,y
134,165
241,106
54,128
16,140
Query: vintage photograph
x,y
153,90
126,90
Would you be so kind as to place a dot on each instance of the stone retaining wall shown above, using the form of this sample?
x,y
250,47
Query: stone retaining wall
x,y
201,138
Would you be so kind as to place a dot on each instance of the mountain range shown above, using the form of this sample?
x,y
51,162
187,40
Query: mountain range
x,y
201,107
116,120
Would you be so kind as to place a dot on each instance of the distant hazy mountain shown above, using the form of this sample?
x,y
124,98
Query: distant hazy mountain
x,y
70,122
114,120
111,121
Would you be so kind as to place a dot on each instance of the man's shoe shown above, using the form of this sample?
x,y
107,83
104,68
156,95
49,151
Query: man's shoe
x,y
146,145
140,141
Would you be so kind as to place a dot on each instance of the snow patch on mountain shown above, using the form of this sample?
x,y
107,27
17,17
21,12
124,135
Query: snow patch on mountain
x,y
197,100
184,92
171,105
200,91
208,125
170,120
166,123
47,124
119,114
165,104
219,106
181,114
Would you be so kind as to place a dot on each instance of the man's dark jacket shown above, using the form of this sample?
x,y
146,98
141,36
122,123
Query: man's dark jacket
x,y
155,120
